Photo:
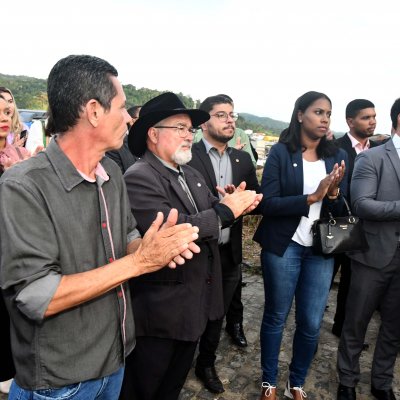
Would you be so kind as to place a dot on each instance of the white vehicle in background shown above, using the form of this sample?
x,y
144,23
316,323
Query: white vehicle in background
x,y
35,120
28,116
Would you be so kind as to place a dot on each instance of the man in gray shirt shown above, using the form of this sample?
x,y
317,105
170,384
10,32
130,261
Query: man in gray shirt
x,y
69,243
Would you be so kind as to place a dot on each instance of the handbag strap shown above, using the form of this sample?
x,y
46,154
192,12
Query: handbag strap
x,y
347,207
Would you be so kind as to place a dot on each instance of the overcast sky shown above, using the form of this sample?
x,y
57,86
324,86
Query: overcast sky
x,y
263,53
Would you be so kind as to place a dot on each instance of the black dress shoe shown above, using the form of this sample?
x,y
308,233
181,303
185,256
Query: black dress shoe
x,y
209,377
235,331
383,394
346,393
336,330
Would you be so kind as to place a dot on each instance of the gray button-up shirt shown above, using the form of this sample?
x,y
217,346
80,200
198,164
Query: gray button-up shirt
x,y
223,174
54,223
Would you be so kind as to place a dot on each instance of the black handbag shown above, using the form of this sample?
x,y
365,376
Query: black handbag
x,y
335,235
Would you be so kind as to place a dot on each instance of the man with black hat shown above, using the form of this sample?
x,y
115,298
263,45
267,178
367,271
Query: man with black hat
x,y
172,309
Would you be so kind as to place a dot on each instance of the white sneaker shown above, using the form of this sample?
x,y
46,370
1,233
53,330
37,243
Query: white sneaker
x,y
294,392
5,386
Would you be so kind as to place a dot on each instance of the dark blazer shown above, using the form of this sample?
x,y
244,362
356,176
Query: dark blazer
x,y
375,194
345,143
284,201
123,156
175,303
242,170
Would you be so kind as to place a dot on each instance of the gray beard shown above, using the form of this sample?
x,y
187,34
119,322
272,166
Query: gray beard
x,y
182,157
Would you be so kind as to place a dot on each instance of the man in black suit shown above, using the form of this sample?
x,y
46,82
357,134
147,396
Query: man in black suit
x,y
123,156
361,119
222,166
172,307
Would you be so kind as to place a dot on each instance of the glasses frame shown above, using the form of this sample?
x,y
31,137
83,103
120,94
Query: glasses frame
x,y
223,115
180,129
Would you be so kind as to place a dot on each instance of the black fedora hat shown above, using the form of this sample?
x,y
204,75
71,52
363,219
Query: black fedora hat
x,y
155,110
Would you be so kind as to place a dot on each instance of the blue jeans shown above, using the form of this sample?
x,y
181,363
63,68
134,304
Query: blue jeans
x,y
301,274
106,388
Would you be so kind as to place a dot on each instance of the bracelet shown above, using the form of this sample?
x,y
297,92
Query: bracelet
x,y
335,196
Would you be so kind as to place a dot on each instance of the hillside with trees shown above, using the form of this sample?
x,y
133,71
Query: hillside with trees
x,y
30,93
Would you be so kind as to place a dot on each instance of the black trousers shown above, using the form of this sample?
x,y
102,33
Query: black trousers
x,y
371,288
210,338
7,369
234,314
344,263
157,369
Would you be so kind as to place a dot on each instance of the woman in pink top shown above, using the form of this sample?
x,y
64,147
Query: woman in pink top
x,y
9,154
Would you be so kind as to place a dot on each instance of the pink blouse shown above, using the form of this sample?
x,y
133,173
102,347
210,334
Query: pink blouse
x,y
11,153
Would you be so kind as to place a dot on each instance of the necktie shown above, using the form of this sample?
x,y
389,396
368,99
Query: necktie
x,y
182,181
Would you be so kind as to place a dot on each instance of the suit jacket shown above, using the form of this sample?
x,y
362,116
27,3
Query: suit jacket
x,y
175,303
284,201
242,170
375,194
345,143
123,156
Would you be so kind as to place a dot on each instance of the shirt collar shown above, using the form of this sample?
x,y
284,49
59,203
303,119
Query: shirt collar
x,y
167,164
396,140
100,173
209,146
67,173
355,142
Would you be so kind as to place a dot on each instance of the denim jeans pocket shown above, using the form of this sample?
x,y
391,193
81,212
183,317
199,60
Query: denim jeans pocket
x,y
63,393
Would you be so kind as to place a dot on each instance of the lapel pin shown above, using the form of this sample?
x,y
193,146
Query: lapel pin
x,y
237,160
294,165
199,184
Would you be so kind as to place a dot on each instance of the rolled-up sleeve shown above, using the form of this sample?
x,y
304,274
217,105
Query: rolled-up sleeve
x,y
29,249
34,299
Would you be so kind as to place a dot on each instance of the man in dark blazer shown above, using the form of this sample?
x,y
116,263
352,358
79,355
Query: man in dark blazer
x,y
375,273
361,119
220,166
172,307
123,156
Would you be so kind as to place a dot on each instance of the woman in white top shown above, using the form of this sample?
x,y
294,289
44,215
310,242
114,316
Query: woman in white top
x,y
302,178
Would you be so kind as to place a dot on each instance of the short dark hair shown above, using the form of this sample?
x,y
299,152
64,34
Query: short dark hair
x,y
355,106
132,110
291,135
208,104
72,82
394,112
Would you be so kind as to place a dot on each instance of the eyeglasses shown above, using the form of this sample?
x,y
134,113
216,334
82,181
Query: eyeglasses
x,y
183,131
223,116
